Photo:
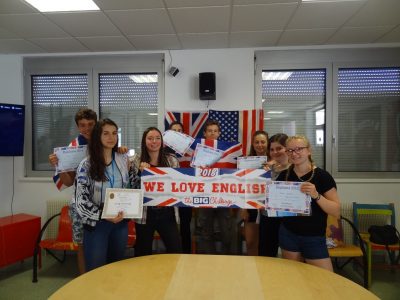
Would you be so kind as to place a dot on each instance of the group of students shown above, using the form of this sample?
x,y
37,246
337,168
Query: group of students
x,y
102,241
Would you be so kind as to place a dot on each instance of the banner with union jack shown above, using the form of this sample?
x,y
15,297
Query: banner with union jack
x,y
236,126
205,187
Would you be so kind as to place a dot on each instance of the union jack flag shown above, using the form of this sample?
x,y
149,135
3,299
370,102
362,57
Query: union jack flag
x,y
80,140
239,125
228,160
192,121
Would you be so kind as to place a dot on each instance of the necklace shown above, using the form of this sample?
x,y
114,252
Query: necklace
x,y
311,176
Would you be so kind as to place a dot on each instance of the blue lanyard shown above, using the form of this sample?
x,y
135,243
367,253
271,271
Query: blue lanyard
x,y
111,178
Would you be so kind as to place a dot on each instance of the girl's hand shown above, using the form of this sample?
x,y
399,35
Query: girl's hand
x,y
118,218
309,189
144,165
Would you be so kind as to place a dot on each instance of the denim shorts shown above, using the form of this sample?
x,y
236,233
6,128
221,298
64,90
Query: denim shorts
x,y
311,247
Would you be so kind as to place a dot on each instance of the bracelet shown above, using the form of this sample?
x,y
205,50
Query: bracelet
x,y
317,198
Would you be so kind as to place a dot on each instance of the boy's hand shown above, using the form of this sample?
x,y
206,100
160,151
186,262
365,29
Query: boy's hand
x,y
122,149
53,160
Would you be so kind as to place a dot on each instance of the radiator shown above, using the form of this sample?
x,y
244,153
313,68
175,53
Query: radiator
x,y
54,207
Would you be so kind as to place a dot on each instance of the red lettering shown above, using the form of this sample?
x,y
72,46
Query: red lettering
x,y
160,186
173,188
215,188
224,187
149,186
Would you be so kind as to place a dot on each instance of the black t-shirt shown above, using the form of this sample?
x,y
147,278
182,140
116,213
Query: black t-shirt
x,y
314,225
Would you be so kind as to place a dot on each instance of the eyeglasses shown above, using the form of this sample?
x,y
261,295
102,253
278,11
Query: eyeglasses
x,y
295,150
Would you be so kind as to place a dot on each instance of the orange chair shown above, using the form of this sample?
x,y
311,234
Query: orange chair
x,y
131,234
62,242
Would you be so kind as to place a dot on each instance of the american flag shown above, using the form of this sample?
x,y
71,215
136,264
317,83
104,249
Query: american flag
x,y
192,121
239,125
228,160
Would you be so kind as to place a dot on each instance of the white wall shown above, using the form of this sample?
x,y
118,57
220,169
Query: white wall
x,y
235,90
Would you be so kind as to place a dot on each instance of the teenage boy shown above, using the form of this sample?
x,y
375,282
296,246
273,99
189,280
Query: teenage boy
x,y
206,216
85,120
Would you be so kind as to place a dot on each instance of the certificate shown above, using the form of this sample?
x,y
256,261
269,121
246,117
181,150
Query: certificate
x,y
286,196
251,162
127,200
205,156
69,158
177,141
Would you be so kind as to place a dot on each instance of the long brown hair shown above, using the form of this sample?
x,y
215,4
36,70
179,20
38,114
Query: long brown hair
x,y
162,160
96,151
258,132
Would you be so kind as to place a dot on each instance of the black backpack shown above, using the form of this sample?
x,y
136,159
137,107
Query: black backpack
x,y
385,235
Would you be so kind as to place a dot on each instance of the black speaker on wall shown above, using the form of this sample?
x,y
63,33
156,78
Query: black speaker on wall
x,y
207,86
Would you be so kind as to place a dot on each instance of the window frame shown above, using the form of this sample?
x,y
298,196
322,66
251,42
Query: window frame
x,y
90,65
328,96
333,57
335,151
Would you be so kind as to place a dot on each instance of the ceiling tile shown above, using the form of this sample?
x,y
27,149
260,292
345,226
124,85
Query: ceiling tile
x,y
254,38
155,42
204,40
305,36
391,37
200,19
18,46
15,7
128,4
261,17
31,26
377,13
358,35
84,23
5,34
196,3
142,21
106,43
323,15
59,45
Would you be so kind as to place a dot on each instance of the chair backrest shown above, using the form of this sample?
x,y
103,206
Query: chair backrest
x,y
365,215
131,234
64,226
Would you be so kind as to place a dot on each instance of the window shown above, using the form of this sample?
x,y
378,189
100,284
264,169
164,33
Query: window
x,y
294,103
55,100
123,88
369,119
131,100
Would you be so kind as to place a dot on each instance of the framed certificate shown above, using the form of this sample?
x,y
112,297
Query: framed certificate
x,y
129,201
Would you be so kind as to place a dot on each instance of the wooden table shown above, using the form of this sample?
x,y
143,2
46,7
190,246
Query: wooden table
x,y
188,276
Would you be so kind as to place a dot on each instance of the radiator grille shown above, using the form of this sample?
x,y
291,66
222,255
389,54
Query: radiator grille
x,y
54,207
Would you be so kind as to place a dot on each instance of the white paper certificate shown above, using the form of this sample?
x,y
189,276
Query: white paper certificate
x,y
286,196
69,158
205,156
127,200
251,162
177,141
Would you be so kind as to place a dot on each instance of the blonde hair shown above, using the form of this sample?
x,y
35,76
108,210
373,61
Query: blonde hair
x,y
305,140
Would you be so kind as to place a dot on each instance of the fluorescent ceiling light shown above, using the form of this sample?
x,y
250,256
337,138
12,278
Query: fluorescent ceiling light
x,y
276,75
275,112
63,5
267,118
329,0
152,114
144,78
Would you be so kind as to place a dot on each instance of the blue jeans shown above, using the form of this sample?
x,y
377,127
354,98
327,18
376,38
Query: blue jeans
x,y
105,243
